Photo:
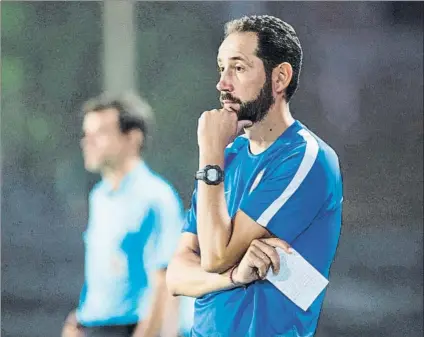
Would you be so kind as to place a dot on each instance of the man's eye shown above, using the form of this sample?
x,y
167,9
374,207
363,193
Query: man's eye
x,y
220,69
239,68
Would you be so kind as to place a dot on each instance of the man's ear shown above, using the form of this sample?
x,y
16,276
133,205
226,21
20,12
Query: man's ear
x,y
136,138
282,75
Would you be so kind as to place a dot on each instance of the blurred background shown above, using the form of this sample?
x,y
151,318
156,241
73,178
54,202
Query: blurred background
x,y
361,90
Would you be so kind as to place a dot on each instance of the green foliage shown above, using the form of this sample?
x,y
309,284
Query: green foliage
x,y
12,75
50,62
12,19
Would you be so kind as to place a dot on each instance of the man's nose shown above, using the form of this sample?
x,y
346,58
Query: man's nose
x,y
225,83
85,141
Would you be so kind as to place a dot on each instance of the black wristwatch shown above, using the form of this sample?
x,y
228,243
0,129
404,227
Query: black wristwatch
x,y
211,175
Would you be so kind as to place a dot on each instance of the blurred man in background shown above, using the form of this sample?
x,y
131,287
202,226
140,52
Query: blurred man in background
x,y
186,315
277,184
134,222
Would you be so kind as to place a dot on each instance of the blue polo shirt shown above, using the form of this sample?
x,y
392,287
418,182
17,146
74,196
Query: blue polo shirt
x,y
132,232
294,189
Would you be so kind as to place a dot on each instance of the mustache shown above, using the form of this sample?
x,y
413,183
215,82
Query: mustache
x,y
226,96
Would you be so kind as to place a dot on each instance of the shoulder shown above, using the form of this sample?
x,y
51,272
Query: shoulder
x,y
303,152
156,188
319,163
316,149
96,191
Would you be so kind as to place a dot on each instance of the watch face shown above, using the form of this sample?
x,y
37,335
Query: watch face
x,y
212,174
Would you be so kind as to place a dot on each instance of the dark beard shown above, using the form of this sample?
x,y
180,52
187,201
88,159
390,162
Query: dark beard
x,y
256,110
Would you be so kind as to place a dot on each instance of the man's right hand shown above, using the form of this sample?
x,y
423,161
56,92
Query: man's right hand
x,y
260,256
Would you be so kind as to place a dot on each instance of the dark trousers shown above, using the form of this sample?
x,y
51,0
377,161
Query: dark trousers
x,y
110,331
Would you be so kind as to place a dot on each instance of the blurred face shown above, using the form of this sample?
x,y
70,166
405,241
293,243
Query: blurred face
x,y
103,143
243,85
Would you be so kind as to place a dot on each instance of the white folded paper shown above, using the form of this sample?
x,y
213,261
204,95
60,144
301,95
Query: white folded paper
x,y
297,279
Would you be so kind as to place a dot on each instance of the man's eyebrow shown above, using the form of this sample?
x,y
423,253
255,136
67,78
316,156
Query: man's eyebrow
x,y
238,58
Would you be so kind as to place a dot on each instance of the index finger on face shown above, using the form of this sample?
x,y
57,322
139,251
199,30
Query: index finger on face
x,y
230,112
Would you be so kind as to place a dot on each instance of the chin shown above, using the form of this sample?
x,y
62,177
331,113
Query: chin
x,y
92,167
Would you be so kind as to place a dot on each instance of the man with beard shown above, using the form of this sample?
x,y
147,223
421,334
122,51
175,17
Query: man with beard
x,y
135,217
278,185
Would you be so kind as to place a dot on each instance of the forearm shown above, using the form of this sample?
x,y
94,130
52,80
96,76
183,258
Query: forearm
x,y
71,327
171,326
186,277
150,326
214,224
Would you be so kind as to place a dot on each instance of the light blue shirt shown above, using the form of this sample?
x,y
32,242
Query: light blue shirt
x,y
293,189
132,232
186,315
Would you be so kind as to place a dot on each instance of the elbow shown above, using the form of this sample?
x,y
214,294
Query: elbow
x,y
213,265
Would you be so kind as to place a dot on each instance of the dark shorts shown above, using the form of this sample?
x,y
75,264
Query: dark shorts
x,y
110,331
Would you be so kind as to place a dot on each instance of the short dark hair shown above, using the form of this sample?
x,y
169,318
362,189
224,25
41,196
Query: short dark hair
x,y
277,43
134,112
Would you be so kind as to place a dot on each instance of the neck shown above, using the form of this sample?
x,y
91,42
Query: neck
x,y
262,134
115,174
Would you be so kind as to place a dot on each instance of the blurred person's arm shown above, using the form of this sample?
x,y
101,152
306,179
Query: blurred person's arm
x,y
168,221
71,327
151,326
171,323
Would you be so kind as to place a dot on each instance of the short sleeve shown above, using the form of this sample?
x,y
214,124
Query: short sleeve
x,y
169,219
190,220
289,196
83,295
